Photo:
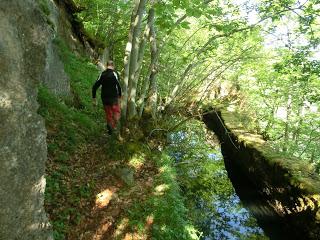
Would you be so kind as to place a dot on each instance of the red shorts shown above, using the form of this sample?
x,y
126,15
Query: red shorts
x,y
112,114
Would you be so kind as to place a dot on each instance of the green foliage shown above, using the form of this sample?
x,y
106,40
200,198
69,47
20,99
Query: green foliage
x,y
285,101
82,75
44,6
107,22
165,205
70,127
171,218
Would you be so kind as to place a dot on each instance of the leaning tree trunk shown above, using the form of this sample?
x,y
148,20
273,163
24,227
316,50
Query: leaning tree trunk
x,y
127,58
134,59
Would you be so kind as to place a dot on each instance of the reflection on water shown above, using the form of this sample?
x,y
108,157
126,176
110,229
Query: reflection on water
x,y
215,208
232,221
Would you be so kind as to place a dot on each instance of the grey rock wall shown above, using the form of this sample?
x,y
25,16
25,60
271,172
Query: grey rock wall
x,y
61,26
23,41
55,78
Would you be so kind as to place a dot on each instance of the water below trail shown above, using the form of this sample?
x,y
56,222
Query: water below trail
x,y
218,211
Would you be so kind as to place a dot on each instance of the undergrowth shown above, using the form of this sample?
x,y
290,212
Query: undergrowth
x,y
164,205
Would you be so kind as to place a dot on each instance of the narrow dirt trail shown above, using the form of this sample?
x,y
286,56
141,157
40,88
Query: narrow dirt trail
x,y
104,213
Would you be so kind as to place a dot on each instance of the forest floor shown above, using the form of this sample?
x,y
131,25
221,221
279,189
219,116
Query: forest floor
x,y
103,209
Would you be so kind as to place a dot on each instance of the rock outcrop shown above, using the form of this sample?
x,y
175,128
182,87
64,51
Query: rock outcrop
x,y
23,42
29,57
63,25
283,193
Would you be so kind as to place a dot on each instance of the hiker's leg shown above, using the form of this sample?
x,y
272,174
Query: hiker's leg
x,y
105,108
116,112
109,118
116,117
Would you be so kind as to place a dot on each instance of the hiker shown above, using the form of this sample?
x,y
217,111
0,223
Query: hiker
x,y
110,95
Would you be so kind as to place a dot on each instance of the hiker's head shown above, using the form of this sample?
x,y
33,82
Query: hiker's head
x,y
110,64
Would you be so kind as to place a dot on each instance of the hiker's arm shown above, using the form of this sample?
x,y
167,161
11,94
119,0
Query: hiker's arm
x,y
95,87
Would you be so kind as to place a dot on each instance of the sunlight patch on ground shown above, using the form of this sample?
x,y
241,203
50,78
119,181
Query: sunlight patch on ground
x,y
137,161
102,230
161,189
103,198
141,234
163,169
149,221
120,228
135,236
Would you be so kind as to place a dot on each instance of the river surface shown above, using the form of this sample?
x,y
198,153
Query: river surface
x,y
215,208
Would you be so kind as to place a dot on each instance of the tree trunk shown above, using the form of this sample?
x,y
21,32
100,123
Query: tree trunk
x,y
145,83
104,58
286,128
127,58
153,93
134,59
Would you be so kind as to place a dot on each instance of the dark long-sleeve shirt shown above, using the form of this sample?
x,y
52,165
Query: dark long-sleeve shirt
x,y
111,89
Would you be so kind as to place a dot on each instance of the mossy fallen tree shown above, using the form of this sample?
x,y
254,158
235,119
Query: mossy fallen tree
x,y
282,192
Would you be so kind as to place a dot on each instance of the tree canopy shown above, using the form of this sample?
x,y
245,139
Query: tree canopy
x,y
260,56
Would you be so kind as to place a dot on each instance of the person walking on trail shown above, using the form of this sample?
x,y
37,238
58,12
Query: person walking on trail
x,y
110,95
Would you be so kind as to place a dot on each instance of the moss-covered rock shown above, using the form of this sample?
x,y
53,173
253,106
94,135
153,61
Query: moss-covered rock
x,y
283,192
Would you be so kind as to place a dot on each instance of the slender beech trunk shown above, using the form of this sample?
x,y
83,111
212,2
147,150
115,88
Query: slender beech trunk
x,y
153,92
142,47
144,85
146,81
127,58
144,89
270,119
296,133
134,59
286,128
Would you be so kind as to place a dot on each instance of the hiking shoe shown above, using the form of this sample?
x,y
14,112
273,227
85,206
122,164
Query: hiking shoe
x,y
110,130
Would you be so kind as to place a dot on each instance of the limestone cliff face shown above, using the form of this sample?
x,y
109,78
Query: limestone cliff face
x,y
55,78
29,57
62,25
23,41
